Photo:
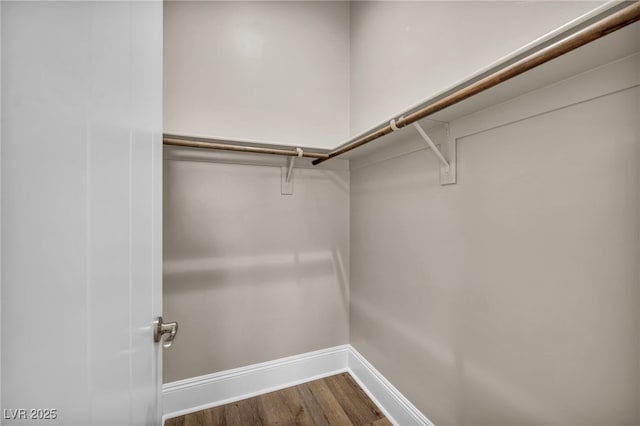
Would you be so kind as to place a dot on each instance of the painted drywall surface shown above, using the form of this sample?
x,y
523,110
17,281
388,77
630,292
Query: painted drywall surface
x,y
269,71
510,298
403,52
82,105
252,275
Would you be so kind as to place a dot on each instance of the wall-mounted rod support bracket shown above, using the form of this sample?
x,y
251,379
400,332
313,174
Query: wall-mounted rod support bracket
x,y
449,175
446,154
431,144
291,162
287,173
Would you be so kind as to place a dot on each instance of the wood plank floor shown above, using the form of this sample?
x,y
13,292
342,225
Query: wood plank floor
x,y
335,400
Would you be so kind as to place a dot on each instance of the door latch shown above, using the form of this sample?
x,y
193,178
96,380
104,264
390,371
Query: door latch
x,y
161,328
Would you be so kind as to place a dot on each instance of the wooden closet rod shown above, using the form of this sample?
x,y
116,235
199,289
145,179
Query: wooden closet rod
x,y
606,25
190,143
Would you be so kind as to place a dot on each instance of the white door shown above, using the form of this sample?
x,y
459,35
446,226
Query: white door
x,y
81,212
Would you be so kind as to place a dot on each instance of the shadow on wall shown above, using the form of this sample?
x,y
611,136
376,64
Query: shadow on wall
x,y
453,383
314,173
240,310
252,275
339,179
302,267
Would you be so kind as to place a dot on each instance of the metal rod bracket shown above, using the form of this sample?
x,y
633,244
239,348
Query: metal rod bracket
x,y
446,153
286,185
449,174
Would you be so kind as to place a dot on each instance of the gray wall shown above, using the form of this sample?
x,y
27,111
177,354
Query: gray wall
x,y
252,275
265,70
510,298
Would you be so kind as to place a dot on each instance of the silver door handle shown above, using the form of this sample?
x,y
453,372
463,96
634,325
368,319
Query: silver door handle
x,y
161,328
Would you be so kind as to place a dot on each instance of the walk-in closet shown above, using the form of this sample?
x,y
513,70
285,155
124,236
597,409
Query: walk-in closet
x,y
320,213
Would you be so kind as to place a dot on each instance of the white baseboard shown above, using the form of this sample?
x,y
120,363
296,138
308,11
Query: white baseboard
x,y
395,406
186,396
198,393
